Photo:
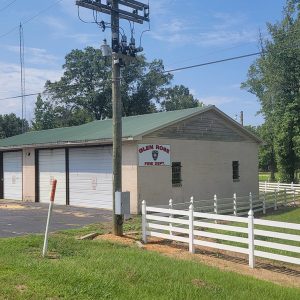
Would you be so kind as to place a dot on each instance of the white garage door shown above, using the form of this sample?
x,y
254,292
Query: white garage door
x,y
12,171
52,165
91,177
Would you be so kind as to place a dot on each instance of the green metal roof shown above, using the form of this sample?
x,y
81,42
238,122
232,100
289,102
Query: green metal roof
x,y
100,130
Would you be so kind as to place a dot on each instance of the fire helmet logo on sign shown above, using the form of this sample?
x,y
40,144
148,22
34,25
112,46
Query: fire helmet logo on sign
x,y
155,155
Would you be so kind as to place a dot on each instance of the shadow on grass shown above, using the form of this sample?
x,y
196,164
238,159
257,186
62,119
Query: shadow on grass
x,y
279,211
258,265
276,268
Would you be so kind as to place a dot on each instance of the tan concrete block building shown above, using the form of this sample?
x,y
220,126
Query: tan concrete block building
x,y
193,152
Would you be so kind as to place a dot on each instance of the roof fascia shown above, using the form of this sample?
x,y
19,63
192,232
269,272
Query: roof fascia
x,y
63,144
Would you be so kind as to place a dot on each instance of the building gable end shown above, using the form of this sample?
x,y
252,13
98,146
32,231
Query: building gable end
x,y
205,126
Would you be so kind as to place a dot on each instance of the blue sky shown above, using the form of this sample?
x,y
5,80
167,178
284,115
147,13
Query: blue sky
x,y
183,32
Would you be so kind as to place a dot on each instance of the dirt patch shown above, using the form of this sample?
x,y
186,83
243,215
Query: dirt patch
x,y
11,206
199,282
21,288
72,213
285,275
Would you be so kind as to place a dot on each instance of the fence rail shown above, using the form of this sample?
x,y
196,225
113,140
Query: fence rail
x,y
239,205
217,231
278,186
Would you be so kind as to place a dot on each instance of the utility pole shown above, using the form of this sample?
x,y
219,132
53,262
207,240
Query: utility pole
x,y
242,118
117,115
121,53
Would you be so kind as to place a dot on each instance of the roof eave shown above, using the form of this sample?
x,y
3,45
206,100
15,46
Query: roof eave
x,y
64,144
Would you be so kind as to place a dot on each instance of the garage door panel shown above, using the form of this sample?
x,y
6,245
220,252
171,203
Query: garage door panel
x,y
12,175
52,165
91,177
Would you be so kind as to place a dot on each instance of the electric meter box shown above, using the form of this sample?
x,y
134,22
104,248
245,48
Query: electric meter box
x,y
122,203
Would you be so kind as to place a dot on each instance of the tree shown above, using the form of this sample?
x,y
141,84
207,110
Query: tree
x,y
84,91
48,116
11,125
179,97
266,155
275,79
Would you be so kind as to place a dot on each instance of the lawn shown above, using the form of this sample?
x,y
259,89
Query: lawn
x,y
102,270
265,176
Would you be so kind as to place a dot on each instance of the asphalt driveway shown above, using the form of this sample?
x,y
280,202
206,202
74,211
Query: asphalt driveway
x,y
19,218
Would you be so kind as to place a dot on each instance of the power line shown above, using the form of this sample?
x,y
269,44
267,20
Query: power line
x,y
20,96
213,62
276,35
30,18
7,5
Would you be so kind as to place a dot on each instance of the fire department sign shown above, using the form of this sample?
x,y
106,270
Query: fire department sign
x,y
154,155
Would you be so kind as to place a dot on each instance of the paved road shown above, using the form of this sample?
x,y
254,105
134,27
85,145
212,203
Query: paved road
x,y
18,218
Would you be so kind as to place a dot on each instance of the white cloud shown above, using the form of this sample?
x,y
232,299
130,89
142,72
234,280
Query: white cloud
x,y
216,100
35,55
219,38
35,81
160,7
225,20
222,29
55,23
84,38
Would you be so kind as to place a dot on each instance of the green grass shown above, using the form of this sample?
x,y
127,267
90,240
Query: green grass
x,y
265,176
289,214
102,270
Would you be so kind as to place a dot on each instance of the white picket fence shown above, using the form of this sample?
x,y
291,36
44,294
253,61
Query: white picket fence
x,y
195,229
239,205
265,186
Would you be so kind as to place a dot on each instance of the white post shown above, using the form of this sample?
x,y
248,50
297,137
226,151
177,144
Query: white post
x,y
278,187
45,247
265,186
170,215
192,200
250,201
264,203
215,204
234,204
251,239
191,229
144,222
275,200
285,197
52,197
294,195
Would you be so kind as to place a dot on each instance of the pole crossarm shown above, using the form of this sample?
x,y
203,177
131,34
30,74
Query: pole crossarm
x,y
123,14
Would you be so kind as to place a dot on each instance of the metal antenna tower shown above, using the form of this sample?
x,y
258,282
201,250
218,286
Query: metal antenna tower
x,y
22,77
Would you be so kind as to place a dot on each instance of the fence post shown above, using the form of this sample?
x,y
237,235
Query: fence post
x,y
144,222
215,204
234,204
191,229
251,239
285,198
275,200
251,201
264,203
294,195
192,200
170,215
265,186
